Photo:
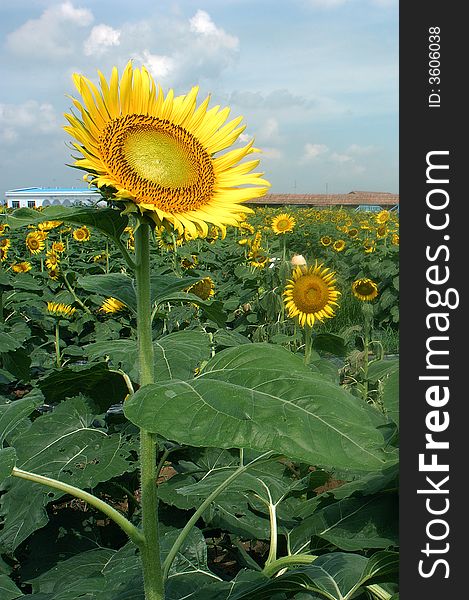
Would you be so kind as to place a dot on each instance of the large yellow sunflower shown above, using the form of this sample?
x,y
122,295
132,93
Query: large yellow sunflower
x,y
204,289
21,267
364,289
58,309
112,305
34,242
158,152
82,234
311,294
283,223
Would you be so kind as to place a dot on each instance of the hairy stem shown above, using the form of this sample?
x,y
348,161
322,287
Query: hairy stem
x,y
133,532
150,551
57,344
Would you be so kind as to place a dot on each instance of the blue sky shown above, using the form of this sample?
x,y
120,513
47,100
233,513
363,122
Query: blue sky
x,y
316,80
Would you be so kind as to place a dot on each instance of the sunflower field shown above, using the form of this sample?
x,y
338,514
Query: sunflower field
x,y
198,400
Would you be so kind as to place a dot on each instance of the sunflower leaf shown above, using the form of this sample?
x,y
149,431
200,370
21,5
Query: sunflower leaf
x,y
107,220
262,397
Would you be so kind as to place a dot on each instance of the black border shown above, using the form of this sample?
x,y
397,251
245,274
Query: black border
x,y
424,129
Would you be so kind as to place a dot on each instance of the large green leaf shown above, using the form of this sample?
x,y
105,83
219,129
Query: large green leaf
x,y
115,285
391,396
109,221
13,412
7,462
368,484
176,355
262,397
64,445
351,524
95,381
335,576
76,576
8,590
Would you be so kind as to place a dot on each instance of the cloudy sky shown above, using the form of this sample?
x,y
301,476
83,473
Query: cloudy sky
x,y
316,80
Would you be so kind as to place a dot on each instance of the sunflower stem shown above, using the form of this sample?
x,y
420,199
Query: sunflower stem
x,y
57,344
308,343
366,345
150,550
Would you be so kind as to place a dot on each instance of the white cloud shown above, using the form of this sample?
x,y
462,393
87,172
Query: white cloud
x,y
312,151
52,35
101,38
29,117
67,12
160,66
340,158
358,150
201,23
269,131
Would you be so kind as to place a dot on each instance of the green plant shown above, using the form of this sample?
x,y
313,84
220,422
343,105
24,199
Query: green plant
x,y
250,431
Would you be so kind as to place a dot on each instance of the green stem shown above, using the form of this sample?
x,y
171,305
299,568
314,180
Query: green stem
x,y
203,507
123,250
366,346
150,551
75,297
272,557
57,344
132,531
287,561
107,256
308,343
2,315
378,592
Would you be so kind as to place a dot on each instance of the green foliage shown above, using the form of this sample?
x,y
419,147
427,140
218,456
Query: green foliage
x,y
277,445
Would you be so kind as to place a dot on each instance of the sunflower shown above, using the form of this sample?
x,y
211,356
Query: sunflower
x,y
258,260
311,294
339,245
3,254
48,225
190,262
326,240
283,223
166,239
3,227
22,267
54,273
364,289
204,289
57,309
34,242
382,217
395,239
243,241
158,152
5,243
52,260
245,227
381,232
58,247
112,305
352,233
369,245
82,234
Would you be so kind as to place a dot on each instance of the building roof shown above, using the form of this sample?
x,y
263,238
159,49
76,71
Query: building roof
x,y
42,191
351,199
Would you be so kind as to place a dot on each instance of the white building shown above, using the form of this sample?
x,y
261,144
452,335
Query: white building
x,y
34,197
